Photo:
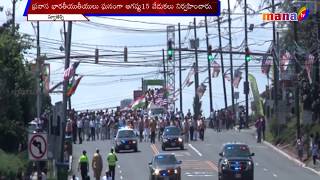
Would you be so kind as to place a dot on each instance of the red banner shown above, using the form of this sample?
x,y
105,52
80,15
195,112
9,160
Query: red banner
x,y
125,7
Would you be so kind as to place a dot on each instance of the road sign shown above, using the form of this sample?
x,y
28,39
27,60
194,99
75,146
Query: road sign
x,y
38,146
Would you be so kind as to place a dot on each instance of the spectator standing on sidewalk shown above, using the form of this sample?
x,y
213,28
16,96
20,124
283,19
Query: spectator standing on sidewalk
x,y
315,153
300,149
258,126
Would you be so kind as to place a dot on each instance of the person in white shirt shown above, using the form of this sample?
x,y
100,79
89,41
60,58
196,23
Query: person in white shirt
x,y
80,129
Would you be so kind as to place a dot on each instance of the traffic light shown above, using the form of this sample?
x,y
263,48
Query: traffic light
x,y
96,61
248,57
210,56
125,54
170,50
41,82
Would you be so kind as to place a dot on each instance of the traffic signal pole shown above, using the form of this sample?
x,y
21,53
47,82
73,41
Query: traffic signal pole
x,y
196,76
180,74
222,66
209,64
246,62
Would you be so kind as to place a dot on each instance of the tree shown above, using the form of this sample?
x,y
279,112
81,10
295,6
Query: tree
x,y
17,87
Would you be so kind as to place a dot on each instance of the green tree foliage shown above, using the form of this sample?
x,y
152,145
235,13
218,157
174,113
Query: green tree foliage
x,y
17,87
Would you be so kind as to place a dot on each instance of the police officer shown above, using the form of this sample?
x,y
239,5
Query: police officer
x,y
112,160
84,165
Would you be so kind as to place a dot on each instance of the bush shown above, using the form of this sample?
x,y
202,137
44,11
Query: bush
x,y
10,164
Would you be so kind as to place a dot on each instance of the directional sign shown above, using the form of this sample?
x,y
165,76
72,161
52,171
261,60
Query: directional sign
x,y
38,146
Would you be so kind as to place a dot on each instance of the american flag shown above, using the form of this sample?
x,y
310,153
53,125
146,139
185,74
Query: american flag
x,y
285,60
308,65
237,78
68,73
216,69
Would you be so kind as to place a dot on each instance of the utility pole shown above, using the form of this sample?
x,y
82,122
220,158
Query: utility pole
x,y
275,67
180,75
13,16
65,86
209,64
297,90
246,87
222,66
38,63
196,75
231,58
164,69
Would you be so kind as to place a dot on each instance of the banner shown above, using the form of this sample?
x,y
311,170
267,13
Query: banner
x,y
256,95
67,10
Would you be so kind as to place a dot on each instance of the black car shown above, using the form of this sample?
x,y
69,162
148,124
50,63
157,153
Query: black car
x,y
165,167
126,139
171,138
236,162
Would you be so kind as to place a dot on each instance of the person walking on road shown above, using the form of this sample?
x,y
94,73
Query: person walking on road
x,y
112,160
315,153
153,128
141,128
186,127
80,129
191,129
259,129
84,165
97,165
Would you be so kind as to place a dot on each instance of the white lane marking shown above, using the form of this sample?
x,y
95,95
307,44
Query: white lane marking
x,y
265,169
199,175
196,150
274,175
120,171
121,177
257,164
118,166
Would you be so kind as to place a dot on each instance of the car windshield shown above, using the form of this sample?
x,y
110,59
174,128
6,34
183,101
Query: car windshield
x,y
165,160
236,151
172,131
126,134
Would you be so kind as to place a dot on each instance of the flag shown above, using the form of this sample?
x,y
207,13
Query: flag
x,y
73,86
139,103
216,69
285,60
68,73
188,81
227,77
201,89
308,65
237,78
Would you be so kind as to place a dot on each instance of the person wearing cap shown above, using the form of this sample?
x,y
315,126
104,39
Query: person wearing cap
x,y
97,165
83,165
112,160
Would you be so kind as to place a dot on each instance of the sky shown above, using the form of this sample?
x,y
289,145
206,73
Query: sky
x,y
101,91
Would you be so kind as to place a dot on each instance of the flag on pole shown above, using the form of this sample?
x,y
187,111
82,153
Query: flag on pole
x,y
201,89
285,60
68,73
237,78
73,86
139,103
216,69
227,77
308,65
188,81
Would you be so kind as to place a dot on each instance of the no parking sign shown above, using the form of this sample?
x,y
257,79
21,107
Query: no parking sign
x,y
38,147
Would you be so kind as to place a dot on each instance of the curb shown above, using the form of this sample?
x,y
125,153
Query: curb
x,y
291,158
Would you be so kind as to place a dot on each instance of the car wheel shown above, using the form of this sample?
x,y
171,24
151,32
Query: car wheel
x,y
182,147
136,149
116,150
163,148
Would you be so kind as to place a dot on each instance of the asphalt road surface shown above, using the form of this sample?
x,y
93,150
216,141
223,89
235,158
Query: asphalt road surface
x,y
199,158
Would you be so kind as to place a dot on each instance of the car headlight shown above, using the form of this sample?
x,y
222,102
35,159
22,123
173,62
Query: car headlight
x,y
134,142
180,139
250,164
156,172
225,162
176,171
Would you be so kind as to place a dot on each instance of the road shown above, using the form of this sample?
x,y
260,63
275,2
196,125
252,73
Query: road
x,y
199,158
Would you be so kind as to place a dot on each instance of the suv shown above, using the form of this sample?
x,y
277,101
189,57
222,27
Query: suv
x,y
126,139
236,162
171,138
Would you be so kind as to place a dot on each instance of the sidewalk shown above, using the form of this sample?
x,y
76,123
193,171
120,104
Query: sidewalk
x,y
287,152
